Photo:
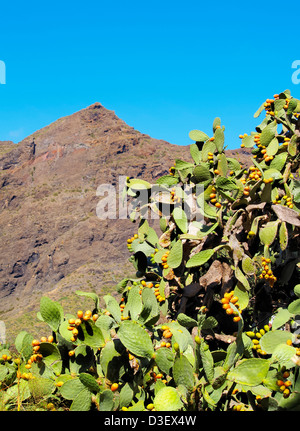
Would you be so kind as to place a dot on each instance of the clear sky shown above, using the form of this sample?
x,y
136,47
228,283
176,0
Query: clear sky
x,y
165,67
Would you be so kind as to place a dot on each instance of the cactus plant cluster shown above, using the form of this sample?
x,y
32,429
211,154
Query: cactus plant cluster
x,y
211,320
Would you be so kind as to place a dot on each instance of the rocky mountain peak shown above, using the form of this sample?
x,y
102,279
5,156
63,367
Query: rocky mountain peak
x,y
52,241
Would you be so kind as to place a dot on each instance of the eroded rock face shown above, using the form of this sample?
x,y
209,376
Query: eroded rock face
x,y
48,183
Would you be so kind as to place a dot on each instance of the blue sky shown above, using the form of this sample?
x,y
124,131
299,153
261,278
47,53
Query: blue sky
x,y
164,67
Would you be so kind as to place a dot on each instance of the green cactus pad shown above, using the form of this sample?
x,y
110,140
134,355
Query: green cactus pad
x,y
134,302
51,357
270,340
82,402
180,219
89,381
260,110
241,277
294,307
91,295
167,180
283,236
279,104
281,317
208,147
297,290
112,362
216,122
250,372
292,147
268,133
195,153
283,354
226,184
82,360
272,148
219,139
183,372
222,165
248,141
138,184
186,321
248,265
150,311
3,372
51,312
175,256
136,339
19,392
200,258
92,335
167,399
113,307
41,387
126,395
242,294
23,344
279,162
207,361
267,233
201,173
164,359
198,136
71,388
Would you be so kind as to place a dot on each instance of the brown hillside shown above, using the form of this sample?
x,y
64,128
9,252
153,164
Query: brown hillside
x,y
52,241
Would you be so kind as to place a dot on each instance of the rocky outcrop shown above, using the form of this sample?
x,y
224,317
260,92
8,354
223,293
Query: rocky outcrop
x,y
51,238
48,184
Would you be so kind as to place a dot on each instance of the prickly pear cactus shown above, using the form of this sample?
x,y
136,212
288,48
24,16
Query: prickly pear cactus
x,y
211,319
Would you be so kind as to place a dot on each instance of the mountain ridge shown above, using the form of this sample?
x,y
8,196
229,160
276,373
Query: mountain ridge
x,y
52,239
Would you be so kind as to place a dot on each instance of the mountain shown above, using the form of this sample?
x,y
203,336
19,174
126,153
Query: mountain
x,y
52,240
